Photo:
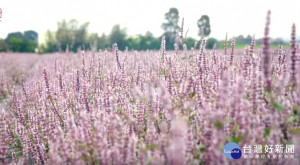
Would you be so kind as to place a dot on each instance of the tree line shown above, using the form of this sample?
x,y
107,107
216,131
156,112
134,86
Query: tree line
x,y
20,42
72,36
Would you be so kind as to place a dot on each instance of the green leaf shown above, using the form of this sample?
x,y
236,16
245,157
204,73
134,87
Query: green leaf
x,y
267,132
135,111
229,138
192,95
235,139
191,118
132,101
145,116
152,147
201,147
268,96
246,97
235,128
291,119
83,146
218,125
91,99
278,106
295,111
119,109
294,131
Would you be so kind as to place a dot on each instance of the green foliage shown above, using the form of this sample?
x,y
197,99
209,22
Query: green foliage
x,y
294,115
69,36
3,46
170,40
190,42
97,42
15,44
31,35
218,124
19,42
141,42
192,95
277,41
204,26
118,35
267,132
119,109
191,118
210,43
70,33
148,42
146,116
294,131
291,119
152,146
103,42
243,40
278,106
235,128
72,36
170,27
235,139
172,18
50,43
29,45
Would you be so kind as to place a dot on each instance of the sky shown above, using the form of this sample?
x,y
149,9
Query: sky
x,y
235,17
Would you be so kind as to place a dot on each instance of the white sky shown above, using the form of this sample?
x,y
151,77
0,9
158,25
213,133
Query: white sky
x,y
138,16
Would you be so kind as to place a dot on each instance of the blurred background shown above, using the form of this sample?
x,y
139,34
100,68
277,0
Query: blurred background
x,y
49,26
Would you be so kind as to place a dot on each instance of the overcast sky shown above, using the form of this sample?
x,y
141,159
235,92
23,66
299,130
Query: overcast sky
x,y
138,16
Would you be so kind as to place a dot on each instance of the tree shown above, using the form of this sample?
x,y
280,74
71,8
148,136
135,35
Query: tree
x,y
65,34
133,43
28,45
19,42
170,27
149,42
103,42
30,41
204,26
15,44
93,40
118,35
14,34
190,42
14,41
277,41
50,43
81,34
143,42
3,46
210,43
31,35
242,40
70,33
172,18
97,42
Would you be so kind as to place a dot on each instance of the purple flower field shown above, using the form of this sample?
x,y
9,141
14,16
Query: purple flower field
x,y
150,107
